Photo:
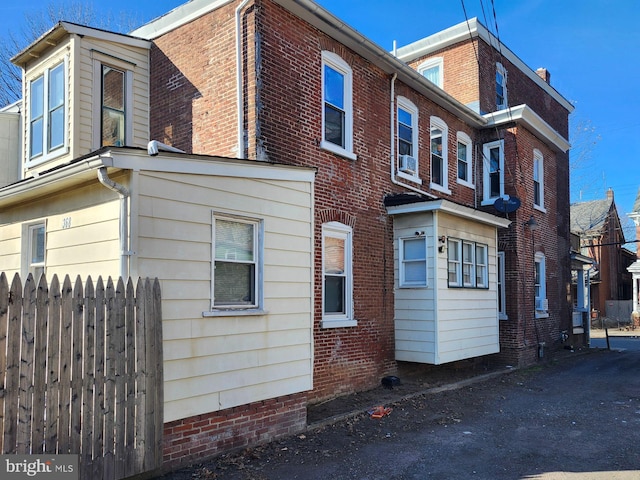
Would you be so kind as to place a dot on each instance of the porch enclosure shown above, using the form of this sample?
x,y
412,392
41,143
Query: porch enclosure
x,y
81,372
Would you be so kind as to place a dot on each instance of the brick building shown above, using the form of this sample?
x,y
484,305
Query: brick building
x,y
440,225
423,143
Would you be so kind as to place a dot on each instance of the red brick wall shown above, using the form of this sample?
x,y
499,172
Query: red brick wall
x,y
199,437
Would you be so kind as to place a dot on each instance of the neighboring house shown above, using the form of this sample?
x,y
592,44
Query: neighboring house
x,y
10,144
634,268
581,267
601,235
435,228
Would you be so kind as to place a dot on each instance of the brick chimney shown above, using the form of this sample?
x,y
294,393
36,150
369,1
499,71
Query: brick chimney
x,y
544,74
610,194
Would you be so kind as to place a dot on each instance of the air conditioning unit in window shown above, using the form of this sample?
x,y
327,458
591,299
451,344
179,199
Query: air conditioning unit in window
x,y
408,164
542,304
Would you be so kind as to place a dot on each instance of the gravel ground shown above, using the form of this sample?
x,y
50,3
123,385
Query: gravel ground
x,y
574,417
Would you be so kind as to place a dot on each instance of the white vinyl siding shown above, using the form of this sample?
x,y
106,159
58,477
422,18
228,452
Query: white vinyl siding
x,y
440,324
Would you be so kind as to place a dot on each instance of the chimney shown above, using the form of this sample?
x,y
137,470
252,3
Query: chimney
x,y
544,74
610,194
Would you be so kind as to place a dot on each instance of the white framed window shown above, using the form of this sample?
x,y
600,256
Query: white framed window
x,y
492,171
502,293
337,105
47,98
413,261
432,70
538,180
113,101
407,125
36,249
337,275
464,156
467,264
540,284
501,87
482,277
439,158
237,264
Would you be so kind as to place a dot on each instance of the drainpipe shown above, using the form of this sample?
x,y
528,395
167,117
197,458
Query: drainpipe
x,y
124,193
393,144
239,97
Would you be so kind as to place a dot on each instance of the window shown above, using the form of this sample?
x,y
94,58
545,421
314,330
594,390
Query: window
x,y
540,284
465,159
493,171
337,113
502,303
47,112
501,87
36,250
467,264
113,107
236,273
439,165
538,179
432,70
413,262
407,138
337,280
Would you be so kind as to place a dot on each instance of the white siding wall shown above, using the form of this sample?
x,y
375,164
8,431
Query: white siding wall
x,y
439,324
9,148
415,308
467,317
213,363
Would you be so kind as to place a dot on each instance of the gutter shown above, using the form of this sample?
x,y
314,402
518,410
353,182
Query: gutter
x,y
239,97
124,194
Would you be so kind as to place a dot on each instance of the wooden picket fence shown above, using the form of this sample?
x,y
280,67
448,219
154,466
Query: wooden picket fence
x,y
81,373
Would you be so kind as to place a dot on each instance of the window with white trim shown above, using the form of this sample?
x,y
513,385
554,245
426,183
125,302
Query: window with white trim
x,y
492,171
337,108
113,107
432,70
237,277
407,124
538,179
36,249
501,87
540,284
502,294
47,114
413,261
467,264
465,159
439,162
337,276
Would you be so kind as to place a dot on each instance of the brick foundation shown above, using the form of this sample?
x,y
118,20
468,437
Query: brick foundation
x,y
204,436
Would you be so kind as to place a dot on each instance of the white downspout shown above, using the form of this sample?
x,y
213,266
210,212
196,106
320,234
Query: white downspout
x,y
393,144
239,98
124,193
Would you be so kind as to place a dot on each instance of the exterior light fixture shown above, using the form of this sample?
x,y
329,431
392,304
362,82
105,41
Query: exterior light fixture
x,y
532,224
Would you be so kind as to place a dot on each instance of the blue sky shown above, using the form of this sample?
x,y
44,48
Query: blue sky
x,y
589,46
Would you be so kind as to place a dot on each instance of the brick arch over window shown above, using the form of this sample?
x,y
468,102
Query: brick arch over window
x,y
335,215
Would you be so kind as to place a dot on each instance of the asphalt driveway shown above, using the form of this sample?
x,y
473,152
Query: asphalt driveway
x,y
578,417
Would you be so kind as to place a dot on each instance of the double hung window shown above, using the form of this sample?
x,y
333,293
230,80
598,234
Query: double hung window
x,y
413,262
337,277
467,264
236,273
540,284
36,250
439,163
465,159
432,70
493,171
113,107
538,179
501,87
47,113
408,138
337,108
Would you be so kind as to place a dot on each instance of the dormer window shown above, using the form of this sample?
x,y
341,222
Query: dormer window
x,y
47,111
113,107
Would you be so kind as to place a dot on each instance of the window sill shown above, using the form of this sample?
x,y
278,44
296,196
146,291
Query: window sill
x,y
328,323
235,312
502,316
539,208
333,148
466,184
542,314
411,178
440,188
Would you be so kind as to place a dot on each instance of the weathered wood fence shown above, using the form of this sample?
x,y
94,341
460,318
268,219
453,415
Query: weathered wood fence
x,y
81,373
